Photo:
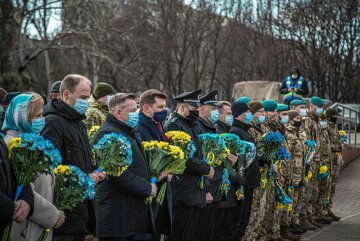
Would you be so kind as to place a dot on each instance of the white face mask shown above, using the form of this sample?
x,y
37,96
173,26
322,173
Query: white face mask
x,y
323,124
303,112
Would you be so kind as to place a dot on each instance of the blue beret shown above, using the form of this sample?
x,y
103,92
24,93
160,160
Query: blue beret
x,y
244,99
297,102
282,107
316,100
269,105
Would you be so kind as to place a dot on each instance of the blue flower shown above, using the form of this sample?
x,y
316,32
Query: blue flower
x,y
274,138
310,143
282,154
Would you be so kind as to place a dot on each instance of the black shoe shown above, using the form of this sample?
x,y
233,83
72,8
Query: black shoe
x,y
322,221
294,230
298,227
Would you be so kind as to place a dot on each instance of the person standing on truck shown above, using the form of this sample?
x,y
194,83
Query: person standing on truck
x,y
294,86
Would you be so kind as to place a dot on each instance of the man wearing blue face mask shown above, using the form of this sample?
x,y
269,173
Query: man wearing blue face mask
x,y
241,213
226,119
64,127
99,102
121,210
150,127
313,132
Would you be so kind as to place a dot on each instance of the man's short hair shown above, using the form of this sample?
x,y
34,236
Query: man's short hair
x,y
119,99
70,82
148,97
221,104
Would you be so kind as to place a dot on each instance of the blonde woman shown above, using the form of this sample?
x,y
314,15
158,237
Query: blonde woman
x,y
24,115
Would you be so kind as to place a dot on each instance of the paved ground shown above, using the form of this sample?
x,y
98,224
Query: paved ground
x,y
346,205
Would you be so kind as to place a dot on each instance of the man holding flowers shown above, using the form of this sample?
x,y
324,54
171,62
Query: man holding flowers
x,y
188,197
121,210
64,127
150,127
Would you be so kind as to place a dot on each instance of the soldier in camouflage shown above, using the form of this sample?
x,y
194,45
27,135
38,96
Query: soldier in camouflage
x,y
259,199
98,109
303,200
336,157
325,161
313,132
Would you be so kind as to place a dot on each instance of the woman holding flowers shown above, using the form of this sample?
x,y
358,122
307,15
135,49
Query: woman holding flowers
x,y
24,115
9,211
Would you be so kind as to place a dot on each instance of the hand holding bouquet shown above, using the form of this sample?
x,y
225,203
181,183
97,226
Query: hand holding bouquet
x,y
112,154
163,157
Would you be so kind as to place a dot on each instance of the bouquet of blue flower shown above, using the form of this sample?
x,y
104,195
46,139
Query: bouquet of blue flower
x,y
282,155
112,154
72,186
235,146
310,148
281,196
30,155
214,150
245,160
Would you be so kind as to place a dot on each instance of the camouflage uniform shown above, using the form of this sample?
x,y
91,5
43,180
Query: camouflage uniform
x,y
313,131
96,114
324,184
259,197
271,224
336,158
296,149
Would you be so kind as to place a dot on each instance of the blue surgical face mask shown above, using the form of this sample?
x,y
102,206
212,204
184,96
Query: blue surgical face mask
x,y
133,119
261,119
229,119
319,111
214,116
108,98
323,124
81,106
37,125
160,116
303,112
284,119
249,117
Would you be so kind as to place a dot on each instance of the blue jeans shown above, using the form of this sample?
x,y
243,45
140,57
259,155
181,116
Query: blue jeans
x,y
131,238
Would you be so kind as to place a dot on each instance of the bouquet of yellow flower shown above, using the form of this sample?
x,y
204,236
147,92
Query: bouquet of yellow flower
x,y
308,177
112,153
30,155
281,196
182,140
72,186
163,157
343,136
323,172
91,133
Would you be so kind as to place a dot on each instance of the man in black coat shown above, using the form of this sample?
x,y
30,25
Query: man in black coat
x,y
208,116
188,197
241,215
150,127
65,129
121,210
10,211
225,117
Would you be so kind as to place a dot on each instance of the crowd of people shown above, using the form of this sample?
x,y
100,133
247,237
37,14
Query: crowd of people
x,y
189,213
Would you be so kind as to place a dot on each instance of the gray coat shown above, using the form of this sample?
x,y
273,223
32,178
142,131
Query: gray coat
x,y
45,214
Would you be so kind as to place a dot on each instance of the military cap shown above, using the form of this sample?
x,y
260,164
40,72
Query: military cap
x,y
255,106
103,89
269,105
238,108
192,98
210,98
244,99
316,100
282,107
55,88
297,102
293,114
8,97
